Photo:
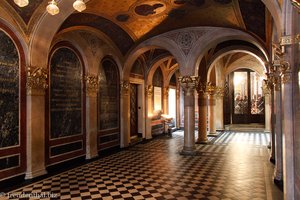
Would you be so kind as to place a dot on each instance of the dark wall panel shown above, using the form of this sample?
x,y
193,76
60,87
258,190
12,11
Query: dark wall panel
x,y
9,92
65,94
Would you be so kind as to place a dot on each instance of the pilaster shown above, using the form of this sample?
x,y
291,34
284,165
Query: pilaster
x,y
92,87
219,110
202,120
211,91
125,113
149,95
36,86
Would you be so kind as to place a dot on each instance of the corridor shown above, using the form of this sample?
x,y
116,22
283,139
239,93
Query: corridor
x,y
232,166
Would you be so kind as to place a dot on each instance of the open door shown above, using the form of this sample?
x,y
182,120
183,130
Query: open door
x,y
247,101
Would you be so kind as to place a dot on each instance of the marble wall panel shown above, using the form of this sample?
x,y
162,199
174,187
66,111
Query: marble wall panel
x,y
9,92
65,94
108,98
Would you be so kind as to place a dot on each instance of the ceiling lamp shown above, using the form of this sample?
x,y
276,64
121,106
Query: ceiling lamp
x,y
79,5
52,8
21,3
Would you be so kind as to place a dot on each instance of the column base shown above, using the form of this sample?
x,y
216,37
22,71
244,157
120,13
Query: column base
x,y
31,175
188,151
213,134
199,141
89,157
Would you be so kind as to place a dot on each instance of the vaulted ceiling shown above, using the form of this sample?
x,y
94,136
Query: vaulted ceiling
x,y
142,19
127,22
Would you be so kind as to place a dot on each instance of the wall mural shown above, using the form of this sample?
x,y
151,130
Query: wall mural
x,y
65,94
9,92
108,96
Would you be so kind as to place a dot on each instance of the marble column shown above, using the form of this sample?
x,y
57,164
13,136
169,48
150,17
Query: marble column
x,y
35,139
92,86
267,96
189,84
178,107
211,91
278,171
273,122
288,126
125,113
149,94
202,110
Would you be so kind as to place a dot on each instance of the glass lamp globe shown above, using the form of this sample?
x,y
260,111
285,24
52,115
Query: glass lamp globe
x,y
52,8
79,5
21,3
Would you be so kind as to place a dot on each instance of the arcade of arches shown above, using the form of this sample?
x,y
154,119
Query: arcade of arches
x,y
75,84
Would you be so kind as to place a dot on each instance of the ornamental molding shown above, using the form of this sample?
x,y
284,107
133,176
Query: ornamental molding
x,y
186,39
36,83
166,91
92,85
124,86
149,90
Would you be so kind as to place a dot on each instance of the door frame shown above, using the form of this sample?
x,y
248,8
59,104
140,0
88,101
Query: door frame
x,y
141,105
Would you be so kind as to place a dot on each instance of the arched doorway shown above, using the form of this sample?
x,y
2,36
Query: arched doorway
x,y
245,97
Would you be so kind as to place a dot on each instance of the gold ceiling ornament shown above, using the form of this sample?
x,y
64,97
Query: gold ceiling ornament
x,y
52,7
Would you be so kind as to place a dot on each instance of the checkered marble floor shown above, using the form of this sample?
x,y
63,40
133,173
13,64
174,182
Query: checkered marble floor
x,y
233,166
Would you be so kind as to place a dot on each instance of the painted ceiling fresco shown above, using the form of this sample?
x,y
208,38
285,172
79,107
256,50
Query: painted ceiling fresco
x,y
129,21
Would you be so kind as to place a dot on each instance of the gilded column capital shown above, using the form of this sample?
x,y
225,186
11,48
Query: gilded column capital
x,y
220,92
210,89
266,89
36,81
166,91
92,85
149,90
124,85
188,83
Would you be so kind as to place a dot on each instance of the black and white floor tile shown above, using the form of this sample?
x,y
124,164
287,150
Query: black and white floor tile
x,y
233,166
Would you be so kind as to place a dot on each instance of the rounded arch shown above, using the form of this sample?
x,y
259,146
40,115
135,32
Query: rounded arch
x,y
155,66
212,38
236,49
16,97
84,38
156,42
44,32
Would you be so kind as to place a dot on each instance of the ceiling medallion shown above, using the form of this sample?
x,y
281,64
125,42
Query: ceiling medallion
x,y
150,8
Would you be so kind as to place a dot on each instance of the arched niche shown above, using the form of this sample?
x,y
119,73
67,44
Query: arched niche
x,y
12,105
65,105
108,105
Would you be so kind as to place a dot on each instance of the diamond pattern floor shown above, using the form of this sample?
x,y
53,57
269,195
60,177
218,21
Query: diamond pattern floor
x,y
235,166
